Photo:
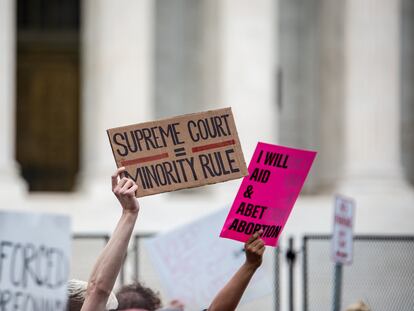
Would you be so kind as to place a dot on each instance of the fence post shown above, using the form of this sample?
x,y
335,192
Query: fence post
x,y
336,304
277,279
305,273
290,257
136,257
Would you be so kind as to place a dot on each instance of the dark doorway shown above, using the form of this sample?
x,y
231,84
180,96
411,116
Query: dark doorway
x,y
47,114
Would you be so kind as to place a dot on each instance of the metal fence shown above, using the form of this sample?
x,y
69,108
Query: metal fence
x,y
382,273
93,244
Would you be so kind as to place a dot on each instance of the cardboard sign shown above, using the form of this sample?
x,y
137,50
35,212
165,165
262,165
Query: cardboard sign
x,y
342,237
34,261
182,152
193,263
266,197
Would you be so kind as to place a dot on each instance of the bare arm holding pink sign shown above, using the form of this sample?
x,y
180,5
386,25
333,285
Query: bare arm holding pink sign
x,y
229,296
109,263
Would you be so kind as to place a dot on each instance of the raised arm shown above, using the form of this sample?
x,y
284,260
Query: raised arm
x,y
109,263
229,296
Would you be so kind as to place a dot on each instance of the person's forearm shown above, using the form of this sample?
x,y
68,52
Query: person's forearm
x,y
113,255
110,261
229,296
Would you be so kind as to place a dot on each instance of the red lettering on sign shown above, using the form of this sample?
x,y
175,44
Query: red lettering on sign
x,y
145,159
214,146
343,221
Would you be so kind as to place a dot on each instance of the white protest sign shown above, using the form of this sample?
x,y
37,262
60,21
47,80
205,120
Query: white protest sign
x,y
194,263
342,237
34,261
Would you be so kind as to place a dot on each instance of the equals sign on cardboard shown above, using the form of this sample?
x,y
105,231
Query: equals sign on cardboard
x,y
180,152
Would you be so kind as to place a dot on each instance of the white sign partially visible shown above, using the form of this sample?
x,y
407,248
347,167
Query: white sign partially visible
x,y
34,261
194,263
342,237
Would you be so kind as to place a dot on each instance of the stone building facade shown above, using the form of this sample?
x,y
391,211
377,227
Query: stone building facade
x,y
332,76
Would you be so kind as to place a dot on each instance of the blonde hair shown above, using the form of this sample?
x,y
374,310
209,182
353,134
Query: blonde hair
x,y
77,293
359,306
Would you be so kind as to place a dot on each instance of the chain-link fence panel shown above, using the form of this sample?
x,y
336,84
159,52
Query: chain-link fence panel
x,y
381,275
85,250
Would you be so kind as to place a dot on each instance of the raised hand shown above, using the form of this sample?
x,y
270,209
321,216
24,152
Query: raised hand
x,y
124,189
254,249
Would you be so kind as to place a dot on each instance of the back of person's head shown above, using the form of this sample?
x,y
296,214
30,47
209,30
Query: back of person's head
x,y
359,306
77,293
137,296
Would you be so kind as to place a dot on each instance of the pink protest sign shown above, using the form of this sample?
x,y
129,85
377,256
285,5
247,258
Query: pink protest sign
x,y
267,195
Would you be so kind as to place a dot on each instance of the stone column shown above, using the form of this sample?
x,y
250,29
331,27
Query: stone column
x,y
239,71
10,183
241,66
372,97
327,169
116,90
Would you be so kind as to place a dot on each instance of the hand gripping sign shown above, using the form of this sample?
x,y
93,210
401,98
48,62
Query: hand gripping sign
x,y
181,152
266,197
